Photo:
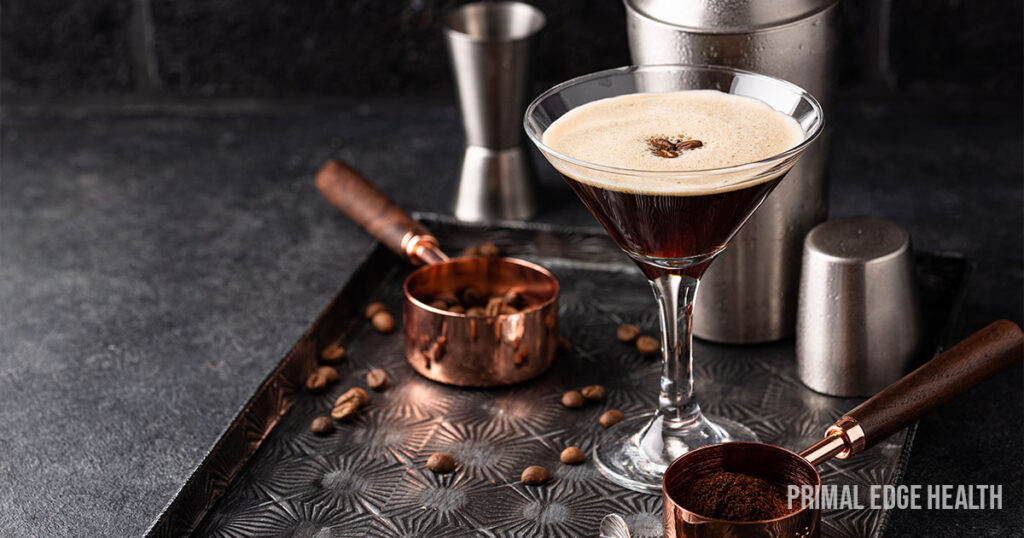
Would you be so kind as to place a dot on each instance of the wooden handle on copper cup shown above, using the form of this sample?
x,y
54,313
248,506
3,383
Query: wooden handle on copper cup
x,y
953,372
348,190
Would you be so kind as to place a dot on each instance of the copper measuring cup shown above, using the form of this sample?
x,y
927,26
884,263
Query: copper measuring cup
x,y
948,375
444,346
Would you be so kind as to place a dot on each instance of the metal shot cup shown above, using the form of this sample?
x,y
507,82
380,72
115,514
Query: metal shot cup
x,y
749,294
858,320
490,48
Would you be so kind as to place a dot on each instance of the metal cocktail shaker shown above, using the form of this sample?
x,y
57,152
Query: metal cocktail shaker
x,y
749,294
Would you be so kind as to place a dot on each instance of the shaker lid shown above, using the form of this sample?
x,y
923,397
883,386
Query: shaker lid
x,y
726,16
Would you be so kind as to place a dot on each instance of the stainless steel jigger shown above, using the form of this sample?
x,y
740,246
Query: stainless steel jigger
x,y
858,323
489,45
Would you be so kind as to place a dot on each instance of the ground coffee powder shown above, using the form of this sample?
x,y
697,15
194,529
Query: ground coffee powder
x,y
734,497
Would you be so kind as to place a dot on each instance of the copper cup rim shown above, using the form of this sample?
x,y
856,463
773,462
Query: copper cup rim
x,y
411,297
669,498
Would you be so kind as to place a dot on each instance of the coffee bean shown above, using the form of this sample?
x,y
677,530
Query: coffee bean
x,y
316,382
472,296
373,308
476,312
441,463
457,309
347,405
332,353
345,411
688,144
439,304
322,425
534,474
611,418
489,250
513,298
471,251
592,393
376,379
354,394
563,343
627,333
572,455
329,373
666,154
493,307
660,143
572,399
648,345
383,322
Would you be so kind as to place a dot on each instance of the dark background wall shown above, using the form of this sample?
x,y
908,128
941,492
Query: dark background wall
x,y
366,48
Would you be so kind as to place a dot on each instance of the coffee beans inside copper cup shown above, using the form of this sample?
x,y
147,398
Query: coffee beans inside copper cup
x,y
475,301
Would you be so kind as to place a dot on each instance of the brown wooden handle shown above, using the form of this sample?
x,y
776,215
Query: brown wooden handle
x,y
348,190
941,379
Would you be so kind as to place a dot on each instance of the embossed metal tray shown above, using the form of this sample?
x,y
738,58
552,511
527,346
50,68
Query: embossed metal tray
x,y
269,476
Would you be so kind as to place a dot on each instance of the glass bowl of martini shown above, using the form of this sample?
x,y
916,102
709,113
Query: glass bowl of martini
x,y
672,160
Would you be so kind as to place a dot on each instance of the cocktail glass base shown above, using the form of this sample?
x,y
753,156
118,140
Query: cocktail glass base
x,y
635,452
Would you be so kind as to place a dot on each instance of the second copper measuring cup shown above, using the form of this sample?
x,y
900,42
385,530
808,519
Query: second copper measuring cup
x,y
449,347
948,375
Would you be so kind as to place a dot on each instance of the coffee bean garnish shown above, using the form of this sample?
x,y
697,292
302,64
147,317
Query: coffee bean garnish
x,y
472,296
572,455
648,345
332,353
627,333
441,463
457,309
671,147
316,382
471,251
322,425
373,308
666,154
329,373
592,393
476,312
376,379
534,475
611,418
572,399
383,322
661,143
439,304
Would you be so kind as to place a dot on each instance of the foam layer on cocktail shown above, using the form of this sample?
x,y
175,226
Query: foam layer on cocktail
x,y
617,132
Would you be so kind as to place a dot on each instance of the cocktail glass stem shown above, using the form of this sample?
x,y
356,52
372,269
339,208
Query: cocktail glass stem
x,y
675,295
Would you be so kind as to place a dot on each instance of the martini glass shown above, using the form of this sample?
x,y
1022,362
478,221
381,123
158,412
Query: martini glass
x,y
673,234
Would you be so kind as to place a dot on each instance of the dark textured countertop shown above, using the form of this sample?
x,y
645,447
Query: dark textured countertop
x,y
155,266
